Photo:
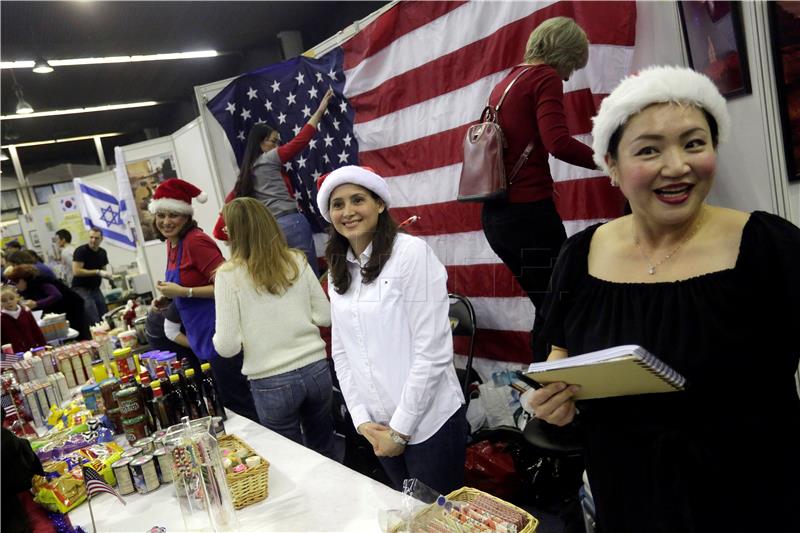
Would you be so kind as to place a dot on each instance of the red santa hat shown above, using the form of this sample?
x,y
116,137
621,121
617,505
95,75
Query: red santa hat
x,y
175,196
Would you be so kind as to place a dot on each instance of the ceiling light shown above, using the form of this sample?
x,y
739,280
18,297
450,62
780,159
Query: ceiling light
x,y
42,66
65,140
113,59
23,107
111,107
3,156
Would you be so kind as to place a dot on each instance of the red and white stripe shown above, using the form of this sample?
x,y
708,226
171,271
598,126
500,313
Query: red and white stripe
x,y
418,75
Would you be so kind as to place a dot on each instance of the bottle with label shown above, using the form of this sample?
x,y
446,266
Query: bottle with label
x,y
176,398
147,400
213,400
160,406
194,398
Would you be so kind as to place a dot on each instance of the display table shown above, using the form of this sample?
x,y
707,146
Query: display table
x,y
307,492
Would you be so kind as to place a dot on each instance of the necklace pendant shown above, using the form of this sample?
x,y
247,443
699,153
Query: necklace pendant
x,y
651,270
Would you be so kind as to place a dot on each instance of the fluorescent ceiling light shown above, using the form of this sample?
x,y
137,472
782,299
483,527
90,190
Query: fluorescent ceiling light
x,y
42,67
66,140
114,59
111,107
3,156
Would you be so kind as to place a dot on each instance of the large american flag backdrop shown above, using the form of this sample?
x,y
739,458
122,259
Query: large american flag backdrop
x,y
407,87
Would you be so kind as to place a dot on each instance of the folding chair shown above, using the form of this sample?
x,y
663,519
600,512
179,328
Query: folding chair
x,y
462,320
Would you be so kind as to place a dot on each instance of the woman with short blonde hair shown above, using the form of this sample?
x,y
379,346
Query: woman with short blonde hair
x,y
525,230
558,42
269,302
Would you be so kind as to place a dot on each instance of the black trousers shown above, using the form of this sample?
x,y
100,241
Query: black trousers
x,y
527,237
234,386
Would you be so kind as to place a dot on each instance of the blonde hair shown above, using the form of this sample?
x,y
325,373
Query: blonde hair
x,y
9,289
258,244
558,42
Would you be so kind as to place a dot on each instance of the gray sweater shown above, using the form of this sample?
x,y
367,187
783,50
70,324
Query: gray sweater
x,y
268,185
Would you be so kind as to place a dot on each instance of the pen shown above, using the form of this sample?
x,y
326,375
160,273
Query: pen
x,y
528,381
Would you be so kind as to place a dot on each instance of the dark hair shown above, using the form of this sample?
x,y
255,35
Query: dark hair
x,y
382,241
23,257
189,226
23,271
613,141
96,230
13,244
252,151
64,234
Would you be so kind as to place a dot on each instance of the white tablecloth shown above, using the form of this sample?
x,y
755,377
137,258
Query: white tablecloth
x,y
307,492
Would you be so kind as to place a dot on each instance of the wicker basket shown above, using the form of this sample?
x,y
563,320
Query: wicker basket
x,y
467,494
250,486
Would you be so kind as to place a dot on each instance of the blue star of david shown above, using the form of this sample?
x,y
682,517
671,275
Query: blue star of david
x,y
110,216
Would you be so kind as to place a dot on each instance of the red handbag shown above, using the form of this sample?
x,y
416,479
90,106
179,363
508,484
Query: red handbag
x,y
483,172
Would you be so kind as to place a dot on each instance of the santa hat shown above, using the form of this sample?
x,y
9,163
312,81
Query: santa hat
x,y
656,85
363,176
175,196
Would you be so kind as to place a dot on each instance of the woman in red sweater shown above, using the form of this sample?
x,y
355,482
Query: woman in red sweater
x,y
261,177
19,327
526,231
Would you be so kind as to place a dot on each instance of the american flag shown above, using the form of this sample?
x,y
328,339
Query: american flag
x,y
9,407
8,360
408,85
95,484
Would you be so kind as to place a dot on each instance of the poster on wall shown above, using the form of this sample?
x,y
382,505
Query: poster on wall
x,y
785,30
145,175
715,44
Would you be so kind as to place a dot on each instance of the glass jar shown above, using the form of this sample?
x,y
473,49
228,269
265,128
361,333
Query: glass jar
x,y
135,428
129,402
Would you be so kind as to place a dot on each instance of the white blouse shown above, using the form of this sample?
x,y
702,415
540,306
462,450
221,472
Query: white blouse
x,y
392,342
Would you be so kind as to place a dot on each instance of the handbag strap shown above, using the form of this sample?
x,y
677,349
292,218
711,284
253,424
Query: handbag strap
x,y
520,162
508,88
528,149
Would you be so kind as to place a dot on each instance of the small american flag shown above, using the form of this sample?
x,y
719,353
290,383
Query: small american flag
x,y
8,405
96,484
8,360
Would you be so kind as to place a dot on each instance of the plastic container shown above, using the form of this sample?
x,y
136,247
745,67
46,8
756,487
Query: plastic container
x,y
90,393
128,339
203,495
126,364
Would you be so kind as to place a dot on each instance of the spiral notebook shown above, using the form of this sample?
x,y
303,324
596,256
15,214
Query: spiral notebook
x,y
617,371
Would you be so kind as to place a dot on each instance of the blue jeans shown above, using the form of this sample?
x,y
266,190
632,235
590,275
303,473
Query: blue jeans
x,y
438,462
298,235
297,404
94,303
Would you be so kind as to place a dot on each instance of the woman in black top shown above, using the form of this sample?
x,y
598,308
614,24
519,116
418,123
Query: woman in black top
x,y
714,293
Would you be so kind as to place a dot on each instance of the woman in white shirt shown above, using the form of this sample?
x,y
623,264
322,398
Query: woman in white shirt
x,y
269,301
392,343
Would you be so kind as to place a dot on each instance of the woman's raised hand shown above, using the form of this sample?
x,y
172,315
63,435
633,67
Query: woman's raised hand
x,y
323,105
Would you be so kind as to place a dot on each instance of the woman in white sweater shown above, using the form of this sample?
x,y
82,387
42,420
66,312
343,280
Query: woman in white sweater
x,y
269,302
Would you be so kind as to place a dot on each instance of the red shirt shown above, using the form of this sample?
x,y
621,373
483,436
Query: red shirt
x,y
22,332
285,152
534,109
199,260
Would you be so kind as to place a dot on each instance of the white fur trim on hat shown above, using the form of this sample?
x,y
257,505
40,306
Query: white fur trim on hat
x,y
170,205
651,86
351,174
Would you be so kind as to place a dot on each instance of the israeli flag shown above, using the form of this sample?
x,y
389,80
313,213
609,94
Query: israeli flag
x,y
103,210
